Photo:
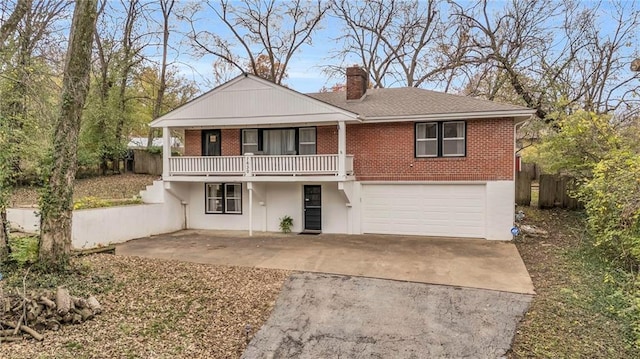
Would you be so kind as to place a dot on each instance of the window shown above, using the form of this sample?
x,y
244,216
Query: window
x,y
440,139
279,142
250,141
307,144
453,139
282,141
223,198
426,139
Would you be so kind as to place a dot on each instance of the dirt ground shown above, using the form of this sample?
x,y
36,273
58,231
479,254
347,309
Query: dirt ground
x,y
105,187
569,316
160,309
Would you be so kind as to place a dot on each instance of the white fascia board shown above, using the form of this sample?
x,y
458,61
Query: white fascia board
x,y
267,121
518,115
404,183
274,179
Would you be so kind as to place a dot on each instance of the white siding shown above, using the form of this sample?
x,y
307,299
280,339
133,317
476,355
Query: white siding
x,y
500,209
271,201
252,101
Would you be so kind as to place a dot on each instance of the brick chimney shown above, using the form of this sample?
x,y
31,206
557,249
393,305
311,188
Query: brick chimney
x,y
357,82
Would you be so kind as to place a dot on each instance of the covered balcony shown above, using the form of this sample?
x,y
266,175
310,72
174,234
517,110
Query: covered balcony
x,y
261,165
250,129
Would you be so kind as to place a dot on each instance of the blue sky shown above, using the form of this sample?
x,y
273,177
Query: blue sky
x,y
304,70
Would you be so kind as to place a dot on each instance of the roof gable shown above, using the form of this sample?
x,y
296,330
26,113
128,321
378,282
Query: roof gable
x,y
249,100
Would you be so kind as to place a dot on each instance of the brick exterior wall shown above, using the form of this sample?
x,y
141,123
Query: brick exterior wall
x,y
192,143
230,142
385,151
327,140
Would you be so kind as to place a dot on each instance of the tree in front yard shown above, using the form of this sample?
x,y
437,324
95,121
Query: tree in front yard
x,y
57,200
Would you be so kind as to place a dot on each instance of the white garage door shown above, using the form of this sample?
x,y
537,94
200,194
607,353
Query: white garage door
x,y
431,210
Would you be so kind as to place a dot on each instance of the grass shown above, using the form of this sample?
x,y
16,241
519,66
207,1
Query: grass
x,y
582,306
95,202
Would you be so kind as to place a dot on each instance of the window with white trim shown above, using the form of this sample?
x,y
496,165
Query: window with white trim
x,y
223,198
307,141
441,139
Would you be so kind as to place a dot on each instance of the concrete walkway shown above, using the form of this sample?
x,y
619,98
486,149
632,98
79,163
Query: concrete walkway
x,y
472,263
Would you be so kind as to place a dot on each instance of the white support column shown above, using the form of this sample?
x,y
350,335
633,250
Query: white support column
x,y
250,188
166,151
342,149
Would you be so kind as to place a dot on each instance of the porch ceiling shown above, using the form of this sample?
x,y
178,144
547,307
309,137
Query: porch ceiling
x,y
303,120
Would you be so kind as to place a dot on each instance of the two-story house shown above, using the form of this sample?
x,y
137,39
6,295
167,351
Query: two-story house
x,y
394,161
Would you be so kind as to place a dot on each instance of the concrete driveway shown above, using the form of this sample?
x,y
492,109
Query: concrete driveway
x,y
371,296
330,316
473,263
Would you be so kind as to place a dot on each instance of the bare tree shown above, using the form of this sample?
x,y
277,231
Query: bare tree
x,y
166,7
106,54
57,200
10,25
553,55
263,29
400,42
130,56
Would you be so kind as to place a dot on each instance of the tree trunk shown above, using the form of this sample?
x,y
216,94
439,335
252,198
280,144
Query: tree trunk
x,y
57,200
4,236
167,6
10,25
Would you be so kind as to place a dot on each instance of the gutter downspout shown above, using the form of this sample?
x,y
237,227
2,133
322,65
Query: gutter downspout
x,y
515,137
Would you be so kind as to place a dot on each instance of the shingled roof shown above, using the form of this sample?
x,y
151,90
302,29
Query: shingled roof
x,y
411,102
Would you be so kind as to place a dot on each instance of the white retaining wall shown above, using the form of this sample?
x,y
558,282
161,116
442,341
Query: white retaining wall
x,y
24,219
104,226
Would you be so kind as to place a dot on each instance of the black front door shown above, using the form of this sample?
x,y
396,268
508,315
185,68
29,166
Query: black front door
x,y
312,208
211,143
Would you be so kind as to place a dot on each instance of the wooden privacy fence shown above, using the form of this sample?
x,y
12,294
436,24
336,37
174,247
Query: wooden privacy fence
x,y
554,191
523,189
145,162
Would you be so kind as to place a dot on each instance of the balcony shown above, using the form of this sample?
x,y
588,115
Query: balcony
x,y
259,165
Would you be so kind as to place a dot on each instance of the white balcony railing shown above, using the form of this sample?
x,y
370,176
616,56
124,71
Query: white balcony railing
x,y
249,165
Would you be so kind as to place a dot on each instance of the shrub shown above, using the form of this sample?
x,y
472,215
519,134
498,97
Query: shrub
x,y
612,203
286,223
95,202
24,250
90,202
